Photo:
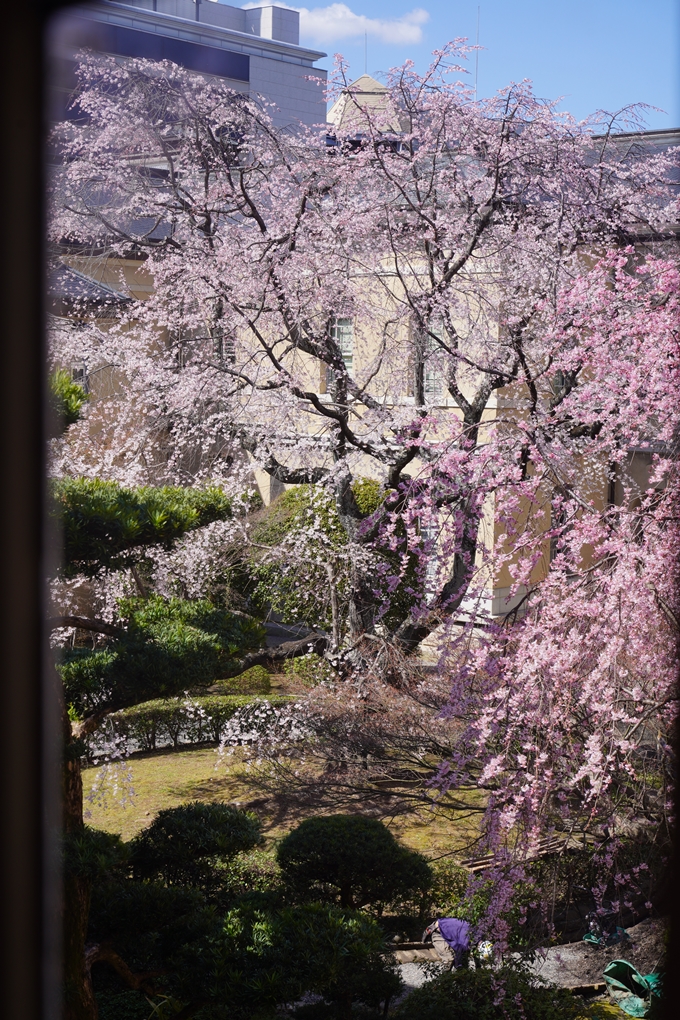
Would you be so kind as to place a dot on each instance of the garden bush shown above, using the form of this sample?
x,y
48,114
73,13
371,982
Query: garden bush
x,y
147,921
449,887
148,924
167,646
487,995
254,872
185,846
67,399
255,680
350,859
369,495
106,525
83,671
310,669
125,1005
296,585
304,528
91,853
203,910
264,959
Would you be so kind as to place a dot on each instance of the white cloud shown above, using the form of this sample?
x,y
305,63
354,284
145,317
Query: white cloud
x,y
326,26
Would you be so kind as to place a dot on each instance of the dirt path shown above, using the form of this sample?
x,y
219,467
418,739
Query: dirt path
x,y
578,963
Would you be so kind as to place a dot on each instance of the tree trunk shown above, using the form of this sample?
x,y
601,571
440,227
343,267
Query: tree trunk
x,y
335,611
361,609
79,1000
411,632
361,606
83,623
346,898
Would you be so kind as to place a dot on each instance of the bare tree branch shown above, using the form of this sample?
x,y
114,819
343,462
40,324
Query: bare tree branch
x,y
83,623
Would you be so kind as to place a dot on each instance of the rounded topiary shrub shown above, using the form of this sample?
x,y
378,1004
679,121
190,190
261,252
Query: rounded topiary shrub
x,y
350,859
184,845
91,853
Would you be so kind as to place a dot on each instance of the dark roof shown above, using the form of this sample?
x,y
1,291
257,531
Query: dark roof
x,y
69,286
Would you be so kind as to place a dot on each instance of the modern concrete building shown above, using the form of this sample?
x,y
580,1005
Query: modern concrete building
x,y
256,51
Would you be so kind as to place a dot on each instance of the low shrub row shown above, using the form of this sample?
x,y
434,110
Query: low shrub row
x,y
175,721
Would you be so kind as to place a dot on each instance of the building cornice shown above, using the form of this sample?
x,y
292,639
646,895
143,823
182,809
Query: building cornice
x,y
199,32
659,136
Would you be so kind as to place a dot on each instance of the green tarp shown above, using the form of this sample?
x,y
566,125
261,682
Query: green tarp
x,y
629,989
610,939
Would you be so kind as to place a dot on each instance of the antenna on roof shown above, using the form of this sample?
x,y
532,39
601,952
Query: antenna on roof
x,y
365,52
477,56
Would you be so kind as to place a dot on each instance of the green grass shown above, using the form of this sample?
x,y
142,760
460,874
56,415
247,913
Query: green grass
x,y
164,779
167,778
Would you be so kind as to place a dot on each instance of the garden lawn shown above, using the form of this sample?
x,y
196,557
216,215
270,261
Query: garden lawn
x,y
167,778
161,779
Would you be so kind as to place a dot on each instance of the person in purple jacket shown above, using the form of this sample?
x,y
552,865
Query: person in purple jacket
x,y
451,940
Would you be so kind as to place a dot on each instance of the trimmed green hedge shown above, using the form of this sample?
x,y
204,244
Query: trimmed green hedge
x,y
177,720
352,860
106,525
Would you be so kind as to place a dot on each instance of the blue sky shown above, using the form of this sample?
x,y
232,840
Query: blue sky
x,y
598,54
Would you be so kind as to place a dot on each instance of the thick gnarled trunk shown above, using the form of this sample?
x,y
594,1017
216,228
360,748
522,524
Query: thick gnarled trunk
x,y
79,1000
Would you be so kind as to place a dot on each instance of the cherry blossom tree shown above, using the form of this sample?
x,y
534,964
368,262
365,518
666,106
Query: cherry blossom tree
x,y
446,245
569,726
479,311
